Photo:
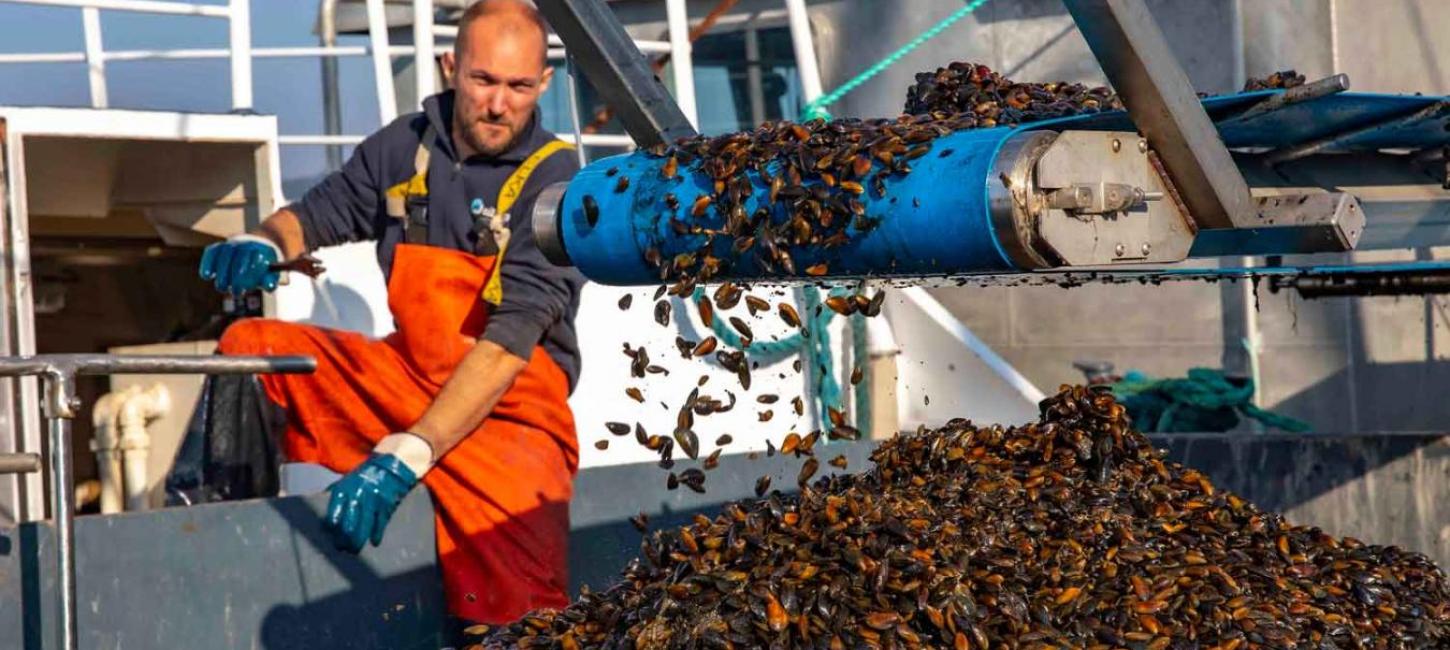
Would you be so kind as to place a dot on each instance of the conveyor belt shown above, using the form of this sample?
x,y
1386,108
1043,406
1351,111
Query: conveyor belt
x,y
1326,280
939,220
1299,123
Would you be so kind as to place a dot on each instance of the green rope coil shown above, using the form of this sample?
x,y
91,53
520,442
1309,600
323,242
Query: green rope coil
x,y
817,108
1204,401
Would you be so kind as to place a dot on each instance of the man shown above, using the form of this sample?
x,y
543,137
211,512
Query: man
x,y
469,395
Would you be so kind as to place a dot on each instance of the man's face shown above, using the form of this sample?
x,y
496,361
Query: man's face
x,y
498,78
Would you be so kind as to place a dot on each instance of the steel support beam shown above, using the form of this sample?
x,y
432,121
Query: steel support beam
x,y
1142,69
601,48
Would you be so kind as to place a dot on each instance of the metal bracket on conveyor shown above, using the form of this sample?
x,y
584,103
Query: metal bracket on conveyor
x,y
60,404
1201,175
1084,198
1096,198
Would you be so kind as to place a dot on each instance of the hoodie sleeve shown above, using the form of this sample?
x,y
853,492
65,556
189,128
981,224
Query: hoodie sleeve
x,y
536,293
347,205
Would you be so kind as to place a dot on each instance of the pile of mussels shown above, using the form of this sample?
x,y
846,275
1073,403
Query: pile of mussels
x,y
975,89
1069,532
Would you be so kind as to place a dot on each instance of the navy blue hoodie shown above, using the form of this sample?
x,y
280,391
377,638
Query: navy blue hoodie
x,y
539,299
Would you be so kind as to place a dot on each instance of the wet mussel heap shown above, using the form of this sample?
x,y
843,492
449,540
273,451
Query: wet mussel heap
x,y
975,89
1069,532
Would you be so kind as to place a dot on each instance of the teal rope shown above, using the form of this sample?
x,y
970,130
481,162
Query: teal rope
x,y
816,109
813,343
767,349
816,347
1203,401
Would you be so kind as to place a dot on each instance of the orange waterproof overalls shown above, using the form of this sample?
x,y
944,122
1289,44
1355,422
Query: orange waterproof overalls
x,y
502,495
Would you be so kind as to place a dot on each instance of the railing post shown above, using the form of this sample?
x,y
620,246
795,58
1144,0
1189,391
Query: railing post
x,y
382,62
239,22
423,50
805,49
60,406
95,56
682,59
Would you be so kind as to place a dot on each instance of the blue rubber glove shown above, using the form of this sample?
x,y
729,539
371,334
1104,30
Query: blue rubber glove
x,y
241,264
363,502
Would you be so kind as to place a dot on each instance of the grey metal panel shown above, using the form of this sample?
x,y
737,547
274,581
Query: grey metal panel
x,y
1381,489
250,574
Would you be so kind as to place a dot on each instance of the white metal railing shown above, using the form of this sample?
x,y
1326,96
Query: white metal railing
x,y
237,13
240,52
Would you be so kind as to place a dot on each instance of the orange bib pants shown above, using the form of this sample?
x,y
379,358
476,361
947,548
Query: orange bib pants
x,y
502,495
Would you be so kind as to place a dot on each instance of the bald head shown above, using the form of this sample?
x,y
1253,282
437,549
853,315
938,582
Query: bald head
x,y
517,18
499,69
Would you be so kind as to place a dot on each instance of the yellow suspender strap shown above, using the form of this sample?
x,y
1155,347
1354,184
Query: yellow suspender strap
x,y
507,195
397,196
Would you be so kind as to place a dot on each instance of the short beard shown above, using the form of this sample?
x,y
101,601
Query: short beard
x,y
480,149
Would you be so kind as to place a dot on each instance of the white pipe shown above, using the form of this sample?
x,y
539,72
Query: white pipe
x,y
1236,46
330,140
240,29
423,64
573,89
1252,337
805,49
95,56
135,442
607,140
169,55
944,319
336,50
106,444
205,53
331,106
44,57
382,65
142,6
754,76
1334,37
682,58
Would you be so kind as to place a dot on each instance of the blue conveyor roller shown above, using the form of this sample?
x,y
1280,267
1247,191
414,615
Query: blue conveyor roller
x,y
937,220
933,221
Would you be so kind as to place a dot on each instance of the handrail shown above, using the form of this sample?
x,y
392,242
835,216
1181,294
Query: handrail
x,y
61,405
297,52
140,6
237,13
240,52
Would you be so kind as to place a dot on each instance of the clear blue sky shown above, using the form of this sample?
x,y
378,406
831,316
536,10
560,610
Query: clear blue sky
x,y
288,88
